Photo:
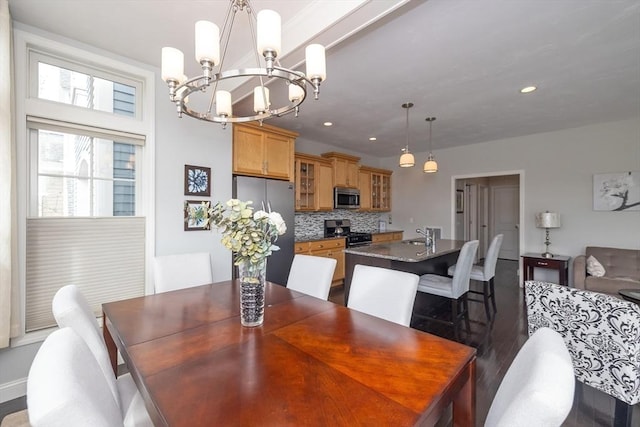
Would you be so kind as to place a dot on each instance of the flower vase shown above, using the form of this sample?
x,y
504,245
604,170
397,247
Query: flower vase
x,y
252,289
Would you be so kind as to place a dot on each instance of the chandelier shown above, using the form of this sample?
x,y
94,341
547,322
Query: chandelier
x,y
406,159
267,43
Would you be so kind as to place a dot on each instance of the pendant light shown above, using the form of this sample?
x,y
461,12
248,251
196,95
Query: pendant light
x,y
430,166
407,160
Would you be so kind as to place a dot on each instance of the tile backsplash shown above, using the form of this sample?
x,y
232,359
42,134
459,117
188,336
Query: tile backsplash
x,y
311,224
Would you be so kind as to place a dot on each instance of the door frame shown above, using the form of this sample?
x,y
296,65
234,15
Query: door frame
x,y
521,229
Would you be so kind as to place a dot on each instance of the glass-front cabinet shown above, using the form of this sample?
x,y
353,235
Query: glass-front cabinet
x,y
314,190
376,189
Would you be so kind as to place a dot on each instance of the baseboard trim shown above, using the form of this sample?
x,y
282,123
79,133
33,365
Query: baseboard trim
x,y
13,390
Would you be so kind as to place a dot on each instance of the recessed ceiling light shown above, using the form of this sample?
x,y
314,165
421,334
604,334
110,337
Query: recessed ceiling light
x,y
328,124
373,138
528,89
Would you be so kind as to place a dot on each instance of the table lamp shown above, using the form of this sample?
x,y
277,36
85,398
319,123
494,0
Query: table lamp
x,y
547,220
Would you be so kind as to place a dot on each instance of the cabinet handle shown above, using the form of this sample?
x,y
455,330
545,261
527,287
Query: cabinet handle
x,y
322,246
542,263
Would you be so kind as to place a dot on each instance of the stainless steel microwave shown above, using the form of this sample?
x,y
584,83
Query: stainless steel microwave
x,y
346,198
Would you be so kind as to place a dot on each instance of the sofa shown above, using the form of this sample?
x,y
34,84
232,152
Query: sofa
x,y
621,270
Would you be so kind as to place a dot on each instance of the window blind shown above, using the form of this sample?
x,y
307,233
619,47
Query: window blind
x,y
66,127
104,257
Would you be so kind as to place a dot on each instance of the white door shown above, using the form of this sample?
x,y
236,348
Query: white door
x,y
505,219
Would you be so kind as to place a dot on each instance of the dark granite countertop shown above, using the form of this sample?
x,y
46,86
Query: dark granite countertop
x,y
407,252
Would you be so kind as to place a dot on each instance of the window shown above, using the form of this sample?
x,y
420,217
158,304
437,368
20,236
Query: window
x,y
85,152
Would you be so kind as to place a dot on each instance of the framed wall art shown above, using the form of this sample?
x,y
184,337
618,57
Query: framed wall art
x,y
459,201
197,181
196,215
616,191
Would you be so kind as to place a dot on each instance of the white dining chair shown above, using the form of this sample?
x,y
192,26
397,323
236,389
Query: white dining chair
x,y
538,387
71,309
454,288
485,274
172,272
384,293
312,275
66,388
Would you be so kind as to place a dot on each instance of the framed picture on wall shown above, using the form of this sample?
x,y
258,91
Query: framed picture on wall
x,y
616,191
197,181
459,201
196,215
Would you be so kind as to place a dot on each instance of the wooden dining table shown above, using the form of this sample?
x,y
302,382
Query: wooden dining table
x,y
312,362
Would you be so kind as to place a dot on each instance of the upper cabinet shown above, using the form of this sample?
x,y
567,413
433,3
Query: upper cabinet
x,y
375,189
314,191
265,151
345,169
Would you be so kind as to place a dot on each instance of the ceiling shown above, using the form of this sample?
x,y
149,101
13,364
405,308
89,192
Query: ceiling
x,y
461,61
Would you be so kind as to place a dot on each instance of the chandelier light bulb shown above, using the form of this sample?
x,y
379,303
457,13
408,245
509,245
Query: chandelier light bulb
x,y
207,42
172,64
316,62
260,95
223,103
295,92
269,32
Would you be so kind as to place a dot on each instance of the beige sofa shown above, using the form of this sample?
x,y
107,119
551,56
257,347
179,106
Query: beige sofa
x,y
622,270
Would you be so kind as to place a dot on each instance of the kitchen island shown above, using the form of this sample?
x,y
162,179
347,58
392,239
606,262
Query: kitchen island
x,y
407,255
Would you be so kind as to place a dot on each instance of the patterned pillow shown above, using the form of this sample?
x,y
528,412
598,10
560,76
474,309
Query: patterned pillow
x,y
594,268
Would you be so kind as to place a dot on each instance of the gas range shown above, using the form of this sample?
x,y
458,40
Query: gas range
x,y
342,227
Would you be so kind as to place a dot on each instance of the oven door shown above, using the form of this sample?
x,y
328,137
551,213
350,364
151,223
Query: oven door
x,y
346,198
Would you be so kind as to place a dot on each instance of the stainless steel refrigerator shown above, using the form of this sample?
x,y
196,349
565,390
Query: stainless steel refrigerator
x,y
280,195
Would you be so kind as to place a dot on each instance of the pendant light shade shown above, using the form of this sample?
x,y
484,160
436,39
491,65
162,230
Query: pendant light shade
x,y
406,159
430,166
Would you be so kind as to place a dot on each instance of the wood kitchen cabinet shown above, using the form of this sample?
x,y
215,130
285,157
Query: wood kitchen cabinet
x,y
329,248
375,189
392,236
265,151
313,175
345,169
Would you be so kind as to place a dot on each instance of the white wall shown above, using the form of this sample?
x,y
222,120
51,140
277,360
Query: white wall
x,y
187,141
558,176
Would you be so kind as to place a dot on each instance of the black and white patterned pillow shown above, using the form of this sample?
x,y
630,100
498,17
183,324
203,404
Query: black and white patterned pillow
x,y
602,334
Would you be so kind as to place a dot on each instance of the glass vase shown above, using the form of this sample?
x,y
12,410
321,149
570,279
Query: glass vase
x,y
252,287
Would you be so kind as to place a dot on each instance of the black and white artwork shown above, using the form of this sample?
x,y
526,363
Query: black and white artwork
x,y
616,191
197,181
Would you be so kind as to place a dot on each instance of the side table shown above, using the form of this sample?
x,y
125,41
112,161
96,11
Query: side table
x,y
558,262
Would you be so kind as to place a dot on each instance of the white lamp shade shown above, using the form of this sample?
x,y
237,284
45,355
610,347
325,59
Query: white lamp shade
x,y
407,160
259,96
430,166
207,42
316,63
223,103
268,31
548,220
172,64
295,92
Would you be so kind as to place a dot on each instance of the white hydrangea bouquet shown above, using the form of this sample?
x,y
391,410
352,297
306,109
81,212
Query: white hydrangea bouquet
x,y
250,235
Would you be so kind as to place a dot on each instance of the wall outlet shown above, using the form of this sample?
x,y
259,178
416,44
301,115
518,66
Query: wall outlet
x,y
390,222
411,220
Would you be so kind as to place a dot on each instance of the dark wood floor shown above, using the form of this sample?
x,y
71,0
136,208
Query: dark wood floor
x,y
497,344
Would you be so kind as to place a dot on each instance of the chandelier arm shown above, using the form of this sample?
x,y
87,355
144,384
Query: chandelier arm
x,y
229,20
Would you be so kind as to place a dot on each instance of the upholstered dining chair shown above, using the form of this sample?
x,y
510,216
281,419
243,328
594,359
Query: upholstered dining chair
x,y
311,275
538,387
485,274
454,288
66,387
71,309
384,293
172,272
602,334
